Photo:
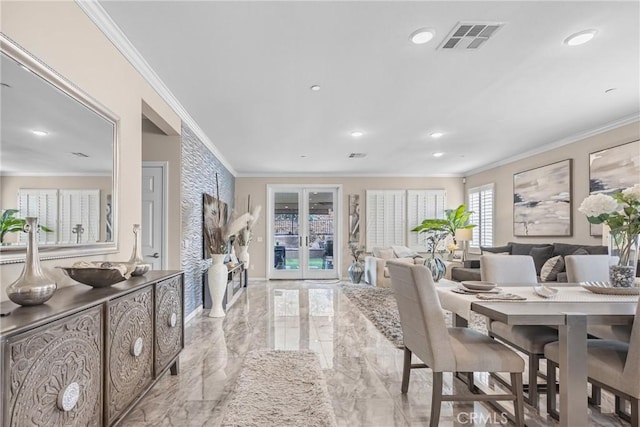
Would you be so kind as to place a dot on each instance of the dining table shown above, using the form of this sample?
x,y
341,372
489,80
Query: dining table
x,y
571,310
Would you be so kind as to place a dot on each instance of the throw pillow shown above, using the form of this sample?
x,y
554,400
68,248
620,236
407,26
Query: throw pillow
x,y
540,256
404,252
580,251
551,268
384,253
496,249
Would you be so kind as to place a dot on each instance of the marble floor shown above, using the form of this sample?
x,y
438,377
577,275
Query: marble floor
x,y
362,368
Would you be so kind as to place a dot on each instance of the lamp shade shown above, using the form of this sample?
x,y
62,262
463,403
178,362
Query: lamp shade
x,y
463,234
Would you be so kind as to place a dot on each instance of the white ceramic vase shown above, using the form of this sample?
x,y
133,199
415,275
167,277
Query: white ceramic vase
x,y
243,255
218,274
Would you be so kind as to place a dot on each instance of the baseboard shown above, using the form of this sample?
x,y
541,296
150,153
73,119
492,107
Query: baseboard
x,y
192,315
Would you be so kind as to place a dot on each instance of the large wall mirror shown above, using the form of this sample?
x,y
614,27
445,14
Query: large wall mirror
x,y
58,160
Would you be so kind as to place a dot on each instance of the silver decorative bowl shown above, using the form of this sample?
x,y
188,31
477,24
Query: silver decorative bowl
x,y
140,269
98,277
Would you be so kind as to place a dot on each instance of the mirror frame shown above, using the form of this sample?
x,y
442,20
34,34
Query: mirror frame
x,y
17,254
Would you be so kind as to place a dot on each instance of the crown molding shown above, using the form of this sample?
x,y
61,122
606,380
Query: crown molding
x,y
347,175
94,10
564,141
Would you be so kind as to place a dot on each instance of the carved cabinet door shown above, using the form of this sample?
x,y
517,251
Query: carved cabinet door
x,y
55,373
169,322
129,350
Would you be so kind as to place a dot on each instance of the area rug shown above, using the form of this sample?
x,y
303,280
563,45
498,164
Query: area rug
x,y
380,307
280,388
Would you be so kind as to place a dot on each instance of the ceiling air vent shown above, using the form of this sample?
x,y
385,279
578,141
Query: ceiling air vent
x,y
357,155
468,35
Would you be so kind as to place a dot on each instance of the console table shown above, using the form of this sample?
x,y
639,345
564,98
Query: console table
x,y
236,280
88,355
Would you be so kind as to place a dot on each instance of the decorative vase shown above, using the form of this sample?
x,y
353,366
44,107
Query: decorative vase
x,y
356,271
33,287
136,262
437,267
623,246
218,273
243,255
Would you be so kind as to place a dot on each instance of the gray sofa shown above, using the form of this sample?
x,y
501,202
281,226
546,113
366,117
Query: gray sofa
x,y
540,252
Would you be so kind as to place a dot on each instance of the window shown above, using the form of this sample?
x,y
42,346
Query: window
x,y
386,219
391,214
481,204
422,204
73,215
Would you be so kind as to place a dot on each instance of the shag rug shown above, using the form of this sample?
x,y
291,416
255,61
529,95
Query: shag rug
x,y
280,388
380,307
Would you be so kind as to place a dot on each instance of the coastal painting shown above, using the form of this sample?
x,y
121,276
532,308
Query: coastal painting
x,y
612,170
542,201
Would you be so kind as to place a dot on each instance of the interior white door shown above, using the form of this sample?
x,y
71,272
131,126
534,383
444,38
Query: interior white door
x,y
302,237
153,215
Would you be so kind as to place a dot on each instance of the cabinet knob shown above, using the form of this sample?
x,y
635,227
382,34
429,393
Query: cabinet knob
x,y
68,397
136,347
173,320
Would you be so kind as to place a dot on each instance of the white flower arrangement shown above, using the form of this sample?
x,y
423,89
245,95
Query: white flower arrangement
x,y
598,204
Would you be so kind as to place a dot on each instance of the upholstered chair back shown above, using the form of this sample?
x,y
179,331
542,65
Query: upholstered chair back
x,y
423,324
632,364
513,269
585,268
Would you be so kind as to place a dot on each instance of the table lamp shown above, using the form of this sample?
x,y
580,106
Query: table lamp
x,y
463,235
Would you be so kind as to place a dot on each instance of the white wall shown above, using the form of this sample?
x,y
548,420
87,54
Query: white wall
x,y
63,37
578,151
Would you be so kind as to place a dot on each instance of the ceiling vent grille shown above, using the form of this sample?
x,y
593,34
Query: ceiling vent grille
x,y
467,35
357,155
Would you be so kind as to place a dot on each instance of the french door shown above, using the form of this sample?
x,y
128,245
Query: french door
x,y
304,224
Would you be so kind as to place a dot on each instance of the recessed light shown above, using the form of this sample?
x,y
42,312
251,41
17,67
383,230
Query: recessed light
x,y
303,156
438,154
357,134
611,89
436,134
315,88
40,132
580,37
422,35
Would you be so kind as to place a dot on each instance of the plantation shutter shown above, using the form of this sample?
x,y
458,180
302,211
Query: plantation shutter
x,y
423,204
386,219
481,202
42,204
79,207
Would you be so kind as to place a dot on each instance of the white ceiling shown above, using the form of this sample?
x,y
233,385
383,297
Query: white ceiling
x,y
243,70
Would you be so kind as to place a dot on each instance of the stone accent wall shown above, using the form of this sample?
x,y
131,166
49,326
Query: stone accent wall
x,y
199,167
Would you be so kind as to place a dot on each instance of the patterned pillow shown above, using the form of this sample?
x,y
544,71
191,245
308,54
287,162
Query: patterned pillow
x,y
404,252
384,253
551,268
580,251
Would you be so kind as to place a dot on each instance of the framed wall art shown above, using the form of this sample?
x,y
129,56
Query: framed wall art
x,y
612,170
542,201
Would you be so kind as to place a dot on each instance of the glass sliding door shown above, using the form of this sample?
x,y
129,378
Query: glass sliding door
x,y
302,232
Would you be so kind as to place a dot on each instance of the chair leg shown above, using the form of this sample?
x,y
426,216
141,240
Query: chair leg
x,y
406,371
518,405
534,366
436,399
635,412
551,390
596,395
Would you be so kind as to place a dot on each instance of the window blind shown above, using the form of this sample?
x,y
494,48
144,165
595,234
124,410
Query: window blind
x,y
481,202
42,204
386,218
423,204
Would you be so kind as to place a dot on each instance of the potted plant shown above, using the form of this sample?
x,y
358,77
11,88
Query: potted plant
x,y
438,229
10,224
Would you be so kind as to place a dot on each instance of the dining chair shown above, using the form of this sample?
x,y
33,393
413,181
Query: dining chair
x,y
447,349
612,365
595,268
518,270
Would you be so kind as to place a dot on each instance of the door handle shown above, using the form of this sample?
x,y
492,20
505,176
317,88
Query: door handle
x,y
156,255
